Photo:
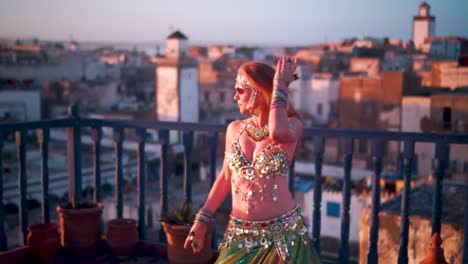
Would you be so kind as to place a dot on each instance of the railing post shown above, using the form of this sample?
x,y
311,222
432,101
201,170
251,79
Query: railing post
x,y
319,146
118,139
141,137
377,152
22,184
408,155
213,145
442,158
188,146
163,136
465,229
74,155
345,216
96,136
3,238
43,137
291,177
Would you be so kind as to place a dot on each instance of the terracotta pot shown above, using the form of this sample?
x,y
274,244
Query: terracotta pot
x,y
176,235
122,237
44,241
80,229
18,255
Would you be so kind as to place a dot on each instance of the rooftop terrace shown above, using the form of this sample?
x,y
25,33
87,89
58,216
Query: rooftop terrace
x,y
77,127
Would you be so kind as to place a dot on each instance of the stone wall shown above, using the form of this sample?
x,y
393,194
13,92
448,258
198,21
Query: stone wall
x,y
418,239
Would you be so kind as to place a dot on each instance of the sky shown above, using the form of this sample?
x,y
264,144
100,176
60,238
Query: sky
x,y
240,22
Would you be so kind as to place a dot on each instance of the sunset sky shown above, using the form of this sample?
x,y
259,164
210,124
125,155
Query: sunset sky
x,y
262,22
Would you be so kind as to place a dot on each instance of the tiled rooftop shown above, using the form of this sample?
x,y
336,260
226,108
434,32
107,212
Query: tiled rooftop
x,y
453,210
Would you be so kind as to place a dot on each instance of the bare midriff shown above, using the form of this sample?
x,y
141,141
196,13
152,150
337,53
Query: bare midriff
x,y
263,208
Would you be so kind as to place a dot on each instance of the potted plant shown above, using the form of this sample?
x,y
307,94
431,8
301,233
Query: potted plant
x,y
80,226
122,236
44,241
177,225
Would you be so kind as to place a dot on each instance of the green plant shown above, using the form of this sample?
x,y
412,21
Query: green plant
x,y
182,215
74,204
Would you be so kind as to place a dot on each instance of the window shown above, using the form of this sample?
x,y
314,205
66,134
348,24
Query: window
x,y
319,109
333,209
207,96
222,97
447,117
465,167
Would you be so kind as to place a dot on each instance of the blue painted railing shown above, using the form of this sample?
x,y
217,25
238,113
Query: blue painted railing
x,y
74,125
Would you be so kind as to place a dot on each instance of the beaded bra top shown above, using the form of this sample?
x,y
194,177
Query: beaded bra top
x,y
271,160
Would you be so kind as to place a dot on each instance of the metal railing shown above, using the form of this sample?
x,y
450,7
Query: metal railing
x,y
74,125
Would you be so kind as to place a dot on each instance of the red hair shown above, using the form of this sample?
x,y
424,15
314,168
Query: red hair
x,y
260,77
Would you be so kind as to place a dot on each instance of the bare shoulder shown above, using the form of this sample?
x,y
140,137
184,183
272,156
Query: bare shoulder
x,y
233,127
235,124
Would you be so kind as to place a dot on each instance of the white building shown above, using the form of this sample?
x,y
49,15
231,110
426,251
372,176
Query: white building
x,y
20,105
431,114
259,55
331,213
416,111
315,94
449,74
177,82
423,25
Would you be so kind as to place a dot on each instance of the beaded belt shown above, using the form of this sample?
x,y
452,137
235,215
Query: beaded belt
x,y
280,231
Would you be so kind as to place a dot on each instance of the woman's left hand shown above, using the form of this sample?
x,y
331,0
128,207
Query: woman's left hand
x,y
196,237
284,74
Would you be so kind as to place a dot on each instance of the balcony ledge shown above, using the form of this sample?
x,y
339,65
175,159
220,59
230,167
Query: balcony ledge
x,y
145,252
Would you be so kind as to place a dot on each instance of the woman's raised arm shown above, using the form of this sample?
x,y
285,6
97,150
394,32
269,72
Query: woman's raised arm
x,y
282,128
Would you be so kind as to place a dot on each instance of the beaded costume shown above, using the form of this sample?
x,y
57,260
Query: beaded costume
x,y
281,239
270,162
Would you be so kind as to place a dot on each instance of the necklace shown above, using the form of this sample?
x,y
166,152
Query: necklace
x,y
256,133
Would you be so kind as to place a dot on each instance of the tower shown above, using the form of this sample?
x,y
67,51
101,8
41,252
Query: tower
x,y
423,25
176,45
176,82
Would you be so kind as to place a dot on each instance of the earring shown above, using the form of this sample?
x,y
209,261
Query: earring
x,y
251,103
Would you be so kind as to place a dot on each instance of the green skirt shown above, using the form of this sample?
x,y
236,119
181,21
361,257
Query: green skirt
x,y
281,239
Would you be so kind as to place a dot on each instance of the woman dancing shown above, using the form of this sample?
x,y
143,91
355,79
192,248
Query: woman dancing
x,y
266,225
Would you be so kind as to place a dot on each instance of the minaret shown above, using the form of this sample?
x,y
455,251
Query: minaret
x,y
177,82
423,25
176,45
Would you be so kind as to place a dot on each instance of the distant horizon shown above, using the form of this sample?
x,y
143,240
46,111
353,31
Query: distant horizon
x,y
242,23
191,43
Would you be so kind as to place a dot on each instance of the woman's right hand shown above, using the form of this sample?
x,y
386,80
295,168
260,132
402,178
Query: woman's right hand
x,y
284,74
196,237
